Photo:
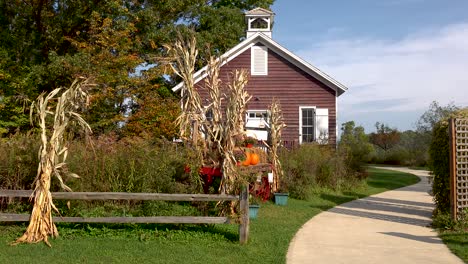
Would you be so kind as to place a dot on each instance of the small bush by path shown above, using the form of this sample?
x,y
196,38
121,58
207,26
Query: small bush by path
x,y
269,238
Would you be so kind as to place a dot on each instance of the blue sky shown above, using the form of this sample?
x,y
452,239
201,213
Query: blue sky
x,y
395,56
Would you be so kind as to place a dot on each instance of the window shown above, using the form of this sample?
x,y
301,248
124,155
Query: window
x,y
260,23
257,119
259,60
257,114
313,124
257,123
308,124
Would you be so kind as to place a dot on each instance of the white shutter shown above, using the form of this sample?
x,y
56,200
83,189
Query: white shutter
x,y
321,128
259,60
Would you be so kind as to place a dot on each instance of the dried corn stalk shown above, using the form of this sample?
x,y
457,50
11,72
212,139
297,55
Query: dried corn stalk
x,y
233,127
184,52
214,128
218,147
276,126
54,122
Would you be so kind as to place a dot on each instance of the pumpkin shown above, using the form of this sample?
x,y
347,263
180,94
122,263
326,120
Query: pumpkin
x,y
254,159
248,157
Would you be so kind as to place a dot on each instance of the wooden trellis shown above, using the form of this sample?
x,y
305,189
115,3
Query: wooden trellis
x,y
458,166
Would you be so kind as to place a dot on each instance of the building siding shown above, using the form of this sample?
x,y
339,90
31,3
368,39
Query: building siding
x,y
292,86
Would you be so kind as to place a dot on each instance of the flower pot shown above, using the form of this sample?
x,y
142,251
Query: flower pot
x,y
281,198
253,211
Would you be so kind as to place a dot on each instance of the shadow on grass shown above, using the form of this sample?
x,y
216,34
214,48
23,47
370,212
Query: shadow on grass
x,y
69,230
388,184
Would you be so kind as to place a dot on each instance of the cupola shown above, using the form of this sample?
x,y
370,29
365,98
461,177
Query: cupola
x,y
259,20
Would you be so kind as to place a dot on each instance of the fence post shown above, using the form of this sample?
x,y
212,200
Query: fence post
x,y
453,169
244,210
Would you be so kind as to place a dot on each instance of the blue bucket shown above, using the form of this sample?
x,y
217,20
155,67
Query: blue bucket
x,y
281,198
253,211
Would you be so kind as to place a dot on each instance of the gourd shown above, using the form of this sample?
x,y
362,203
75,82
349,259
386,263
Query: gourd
x,y
254,159
247,160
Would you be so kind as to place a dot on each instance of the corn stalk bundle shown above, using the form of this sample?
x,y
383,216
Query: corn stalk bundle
x,y
276,126
214,128
184,53
234,127
54,125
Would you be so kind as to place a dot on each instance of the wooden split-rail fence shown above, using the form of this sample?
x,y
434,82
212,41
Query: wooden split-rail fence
x,y
242,198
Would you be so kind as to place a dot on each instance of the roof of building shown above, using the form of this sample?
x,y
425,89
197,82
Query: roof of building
x,y
280,50
259,11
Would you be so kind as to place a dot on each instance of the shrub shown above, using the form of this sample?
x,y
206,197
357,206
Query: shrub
x,y
18,161
105,164
132,165
315,165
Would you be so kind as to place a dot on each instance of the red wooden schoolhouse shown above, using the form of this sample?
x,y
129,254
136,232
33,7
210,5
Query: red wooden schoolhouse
x,y
307,95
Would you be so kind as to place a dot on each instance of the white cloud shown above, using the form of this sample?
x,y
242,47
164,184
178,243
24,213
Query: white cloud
x,y
407,74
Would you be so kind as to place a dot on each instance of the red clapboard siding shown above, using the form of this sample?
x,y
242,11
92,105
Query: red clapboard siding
x,y
292,86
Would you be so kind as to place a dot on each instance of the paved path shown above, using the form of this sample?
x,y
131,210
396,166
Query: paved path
x,y
390,227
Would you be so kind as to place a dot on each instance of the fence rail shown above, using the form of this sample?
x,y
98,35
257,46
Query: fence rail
x,y
242,198
124,196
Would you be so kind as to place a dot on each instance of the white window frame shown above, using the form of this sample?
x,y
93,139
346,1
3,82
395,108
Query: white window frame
x,y
252,60
300,121
248,112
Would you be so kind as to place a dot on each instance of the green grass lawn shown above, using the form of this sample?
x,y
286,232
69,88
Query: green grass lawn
x,y
457,242
270,234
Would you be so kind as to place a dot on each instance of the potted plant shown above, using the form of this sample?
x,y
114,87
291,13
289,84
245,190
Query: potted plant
x,y
254,206
249,142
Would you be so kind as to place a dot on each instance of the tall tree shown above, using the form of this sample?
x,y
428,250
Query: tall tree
x,y
434,114
44,44
384,137
355,144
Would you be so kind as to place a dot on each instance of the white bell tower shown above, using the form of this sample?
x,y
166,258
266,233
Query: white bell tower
x,y
259,20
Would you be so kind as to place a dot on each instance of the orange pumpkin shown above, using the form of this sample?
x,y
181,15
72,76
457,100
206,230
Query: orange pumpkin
x,y
247,160
254,159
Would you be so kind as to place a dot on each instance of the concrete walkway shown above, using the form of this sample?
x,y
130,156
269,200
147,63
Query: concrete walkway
x,y
390,227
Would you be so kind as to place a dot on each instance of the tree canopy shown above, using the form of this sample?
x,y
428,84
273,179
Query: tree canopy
x,y
45,44
384,137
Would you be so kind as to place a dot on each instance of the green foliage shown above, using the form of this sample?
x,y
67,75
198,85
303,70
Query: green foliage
x,y
439,163
440,166
18,161
46,44
433,115
132,165
315,165
106,164
270,235
354,145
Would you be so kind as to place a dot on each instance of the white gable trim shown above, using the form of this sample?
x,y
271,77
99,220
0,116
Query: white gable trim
x,y
277,48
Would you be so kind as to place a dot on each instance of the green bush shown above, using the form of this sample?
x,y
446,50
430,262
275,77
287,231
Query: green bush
x,y
105,164
439,163
18,161
315,165
443,220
